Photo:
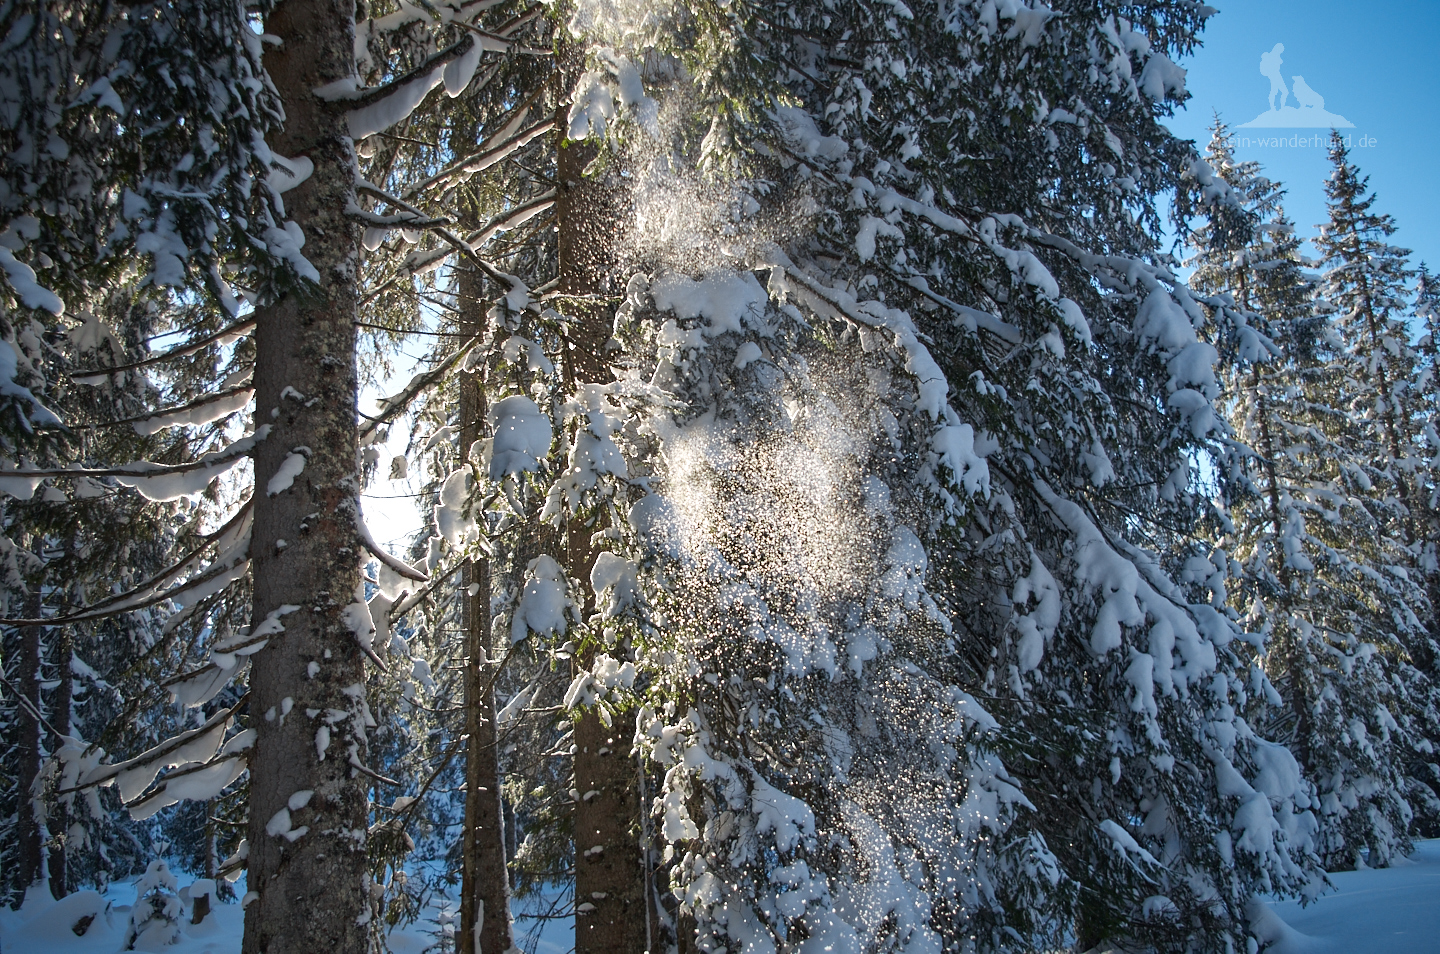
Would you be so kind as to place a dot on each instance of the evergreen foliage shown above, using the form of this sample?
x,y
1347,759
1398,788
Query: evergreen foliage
x,y
810,411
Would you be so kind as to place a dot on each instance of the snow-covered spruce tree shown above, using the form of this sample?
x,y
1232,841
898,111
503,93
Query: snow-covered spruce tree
x,y
791,441
1375,369
1097,394
982,292
217,164
1323,597
527,389
597,484
1365,280
342,631
513,108
464,177
105,198
491,175
82,531
1425,650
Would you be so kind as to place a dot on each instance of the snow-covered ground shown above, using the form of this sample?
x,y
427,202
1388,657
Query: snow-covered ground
x,y
1380,911
43,926
1392,910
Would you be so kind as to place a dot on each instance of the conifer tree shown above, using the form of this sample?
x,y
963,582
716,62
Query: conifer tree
x,y
208,212
1366,282
812,398
898,218
130,139
1321,592
1089,576
1425,650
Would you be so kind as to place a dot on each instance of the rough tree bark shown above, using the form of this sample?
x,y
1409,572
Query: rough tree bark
x,y
31,855
309,893
609,860
1287,648
200,907
485,882
60,704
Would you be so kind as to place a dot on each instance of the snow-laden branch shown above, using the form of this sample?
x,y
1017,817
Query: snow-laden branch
x,y
205,409
154,481
460,13
223,336
529,15
392,406
972,318
197,782
42,415
437,579
483,159
378,108
513,219
1128,589
420,262
28,706
1115,272
233,544
130,771
202,767
379,552
167,482
932,386
223,538
403,220
228,660
499,44
495,149
30,292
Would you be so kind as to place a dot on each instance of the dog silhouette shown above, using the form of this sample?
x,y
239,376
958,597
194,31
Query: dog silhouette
x,y
1304,94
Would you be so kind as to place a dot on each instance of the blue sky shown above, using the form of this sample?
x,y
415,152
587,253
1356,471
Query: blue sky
x,y
1375,63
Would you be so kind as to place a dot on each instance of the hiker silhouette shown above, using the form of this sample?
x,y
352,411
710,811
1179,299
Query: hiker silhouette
x,y
1308,112
1270,69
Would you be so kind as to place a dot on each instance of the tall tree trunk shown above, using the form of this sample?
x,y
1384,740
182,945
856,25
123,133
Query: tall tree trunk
x,y
308,877
485,923
1294,656
1390,429
31,854
612,909
200,907
64,646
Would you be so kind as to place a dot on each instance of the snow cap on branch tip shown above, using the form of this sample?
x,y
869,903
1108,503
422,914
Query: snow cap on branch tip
x,y
963,454
452,522
798,126
39,413
522,435
607,674
357,619
618,576
544,602
22,279
594,98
